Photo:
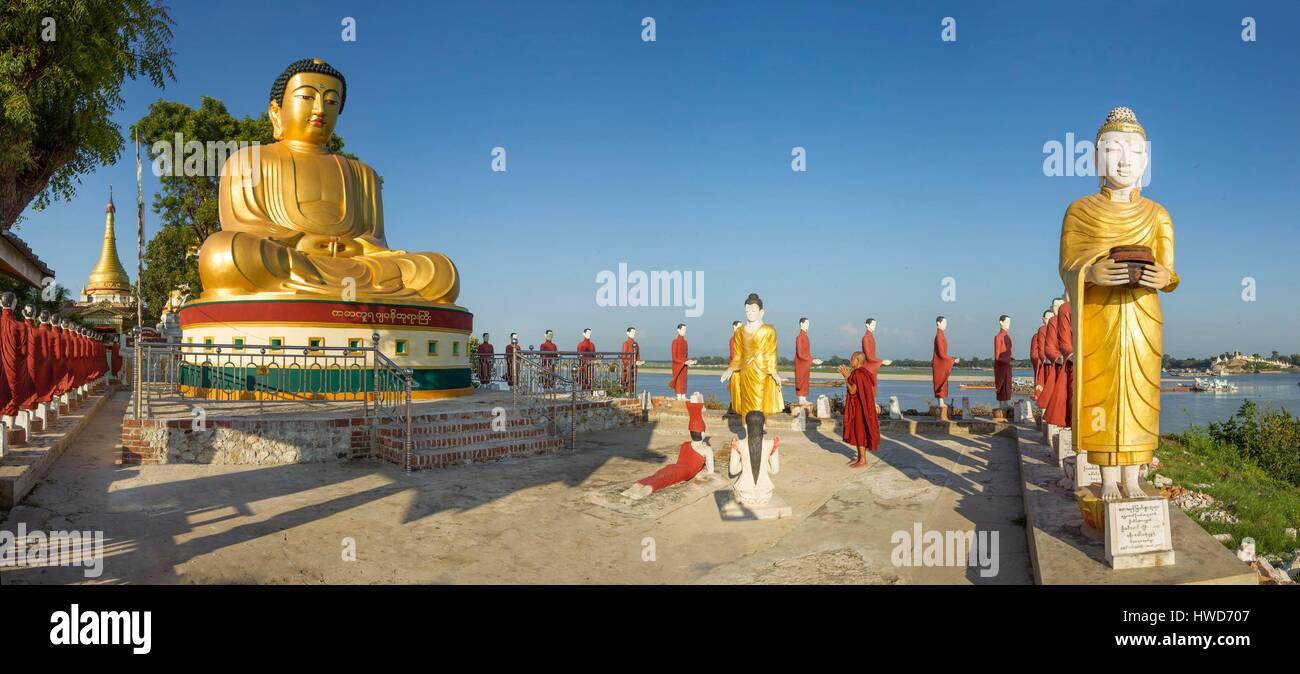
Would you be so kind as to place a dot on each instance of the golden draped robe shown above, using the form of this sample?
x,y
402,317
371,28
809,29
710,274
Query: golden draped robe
x,y
753,363
1117,329
298,222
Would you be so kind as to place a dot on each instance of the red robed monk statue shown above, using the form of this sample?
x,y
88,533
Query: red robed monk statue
x,y
631,360
941,363
1002,359
485,360
681,363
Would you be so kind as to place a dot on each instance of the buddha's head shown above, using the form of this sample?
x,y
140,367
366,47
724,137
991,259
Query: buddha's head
x,y
1121,150
549,335
681,329
1047,316
44,316
871,325
586,333
1056,305
631,332
514,338
753,308
1004,322
803,324
941,322
28,312
306,101
8,301
735,325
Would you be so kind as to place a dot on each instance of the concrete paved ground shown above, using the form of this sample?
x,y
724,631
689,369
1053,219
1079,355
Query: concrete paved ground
x,y
549,519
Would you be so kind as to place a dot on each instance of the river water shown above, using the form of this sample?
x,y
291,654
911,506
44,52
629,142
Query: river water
x,y
1177,410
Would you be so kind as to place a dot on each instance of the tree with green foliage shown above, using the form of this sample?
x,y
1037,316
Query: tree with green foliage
x,y
62,66
29,295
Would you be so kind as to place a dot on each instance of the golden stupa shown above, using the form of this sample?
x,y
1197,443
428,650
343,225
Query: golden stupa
x,y
106,298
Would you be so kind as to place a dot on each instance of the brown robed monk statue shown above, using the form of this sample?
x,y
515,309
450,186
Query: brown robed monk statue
x,y
298,221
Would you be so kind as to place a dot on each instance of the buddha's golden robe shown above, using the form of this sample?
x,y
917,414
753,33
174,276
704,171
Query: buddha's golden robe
x,y
1117,329
753,362
298,222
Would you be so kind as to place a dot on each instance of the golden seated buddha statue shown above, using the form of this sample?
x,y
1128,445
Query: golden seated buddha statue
x,y
298,220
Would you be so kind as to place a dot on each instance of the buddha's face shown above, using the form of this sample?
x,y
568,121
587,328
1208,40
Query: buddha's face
x,y
1121,158
871,326
942,324
631,334
681,330
1005,323
803,325
1047,316
309,110
549,334
753,313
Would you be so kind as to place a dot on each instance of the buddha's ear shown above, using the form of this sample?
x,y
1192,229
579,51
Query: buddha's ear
x,y
273,111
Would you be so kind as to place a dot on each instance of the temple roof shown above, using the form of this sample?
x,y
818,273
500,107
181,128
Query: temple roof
x,y
18,260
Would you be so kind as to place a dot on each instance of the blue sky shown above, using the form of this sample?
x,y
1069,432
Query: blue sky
x,y
925,157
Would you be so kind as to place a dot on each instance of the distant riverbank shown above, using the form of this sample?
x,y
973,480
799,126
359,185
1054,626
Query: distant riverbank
x,y
819,376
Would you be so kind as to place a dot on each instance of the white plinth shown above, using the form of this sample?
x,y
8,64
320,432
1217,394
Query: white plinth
x,y
732,510
1138,533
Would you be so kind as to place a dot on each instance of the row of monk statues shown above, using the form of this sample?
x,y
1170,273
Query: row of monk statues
x,y
299,221
43,358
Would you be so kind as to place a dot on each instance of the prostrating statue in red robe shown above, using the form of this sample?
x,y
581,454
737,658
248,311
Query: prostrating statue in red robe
x,y
681,363
1042,382
861,422
1054,409
631,360
941,363
1065,344
692,457
586,346
1002,359
511,348
485,359
803,362
548,361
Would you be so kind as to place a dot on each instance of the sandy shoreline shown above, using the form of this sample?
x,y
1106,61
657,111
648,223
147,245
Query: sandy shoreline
x,y
789,374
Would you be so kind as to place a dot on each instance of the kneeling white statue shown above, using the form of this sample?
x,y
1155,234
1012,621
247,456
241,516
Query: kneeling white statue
x,y
754,462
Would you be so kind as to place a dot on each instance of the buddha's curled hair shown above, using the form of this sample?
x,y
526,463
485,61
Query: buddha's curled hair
x,y
308,66
754,299
754,436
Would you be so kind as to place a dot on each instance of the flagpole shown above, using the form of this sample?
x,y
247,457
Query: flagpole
x,y
139,277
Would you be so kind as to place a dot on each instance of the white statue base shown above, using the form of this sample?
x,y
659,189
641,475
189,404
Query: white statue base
x,y
733,510
823,407
1138,534
1063,447
1079,472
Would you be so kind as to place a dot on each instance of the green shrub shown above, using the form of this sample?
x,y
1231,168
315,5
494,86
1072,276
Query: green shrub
x,y
1269,438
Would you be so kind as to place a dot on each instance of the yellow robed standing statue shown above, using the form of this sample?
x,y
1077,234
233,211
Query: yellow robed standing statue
x,y
302,258
1117,253
754,383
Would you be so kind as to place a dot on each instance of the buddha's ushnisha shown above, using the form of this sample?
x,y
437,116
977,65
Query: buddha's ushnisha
x,y
1117,322
300,221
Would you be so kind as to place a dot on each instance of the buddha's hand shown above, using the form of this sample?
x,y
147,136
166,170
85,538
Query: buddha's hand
x,y
330,246
726,374
1155,276
1107,273
778,379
